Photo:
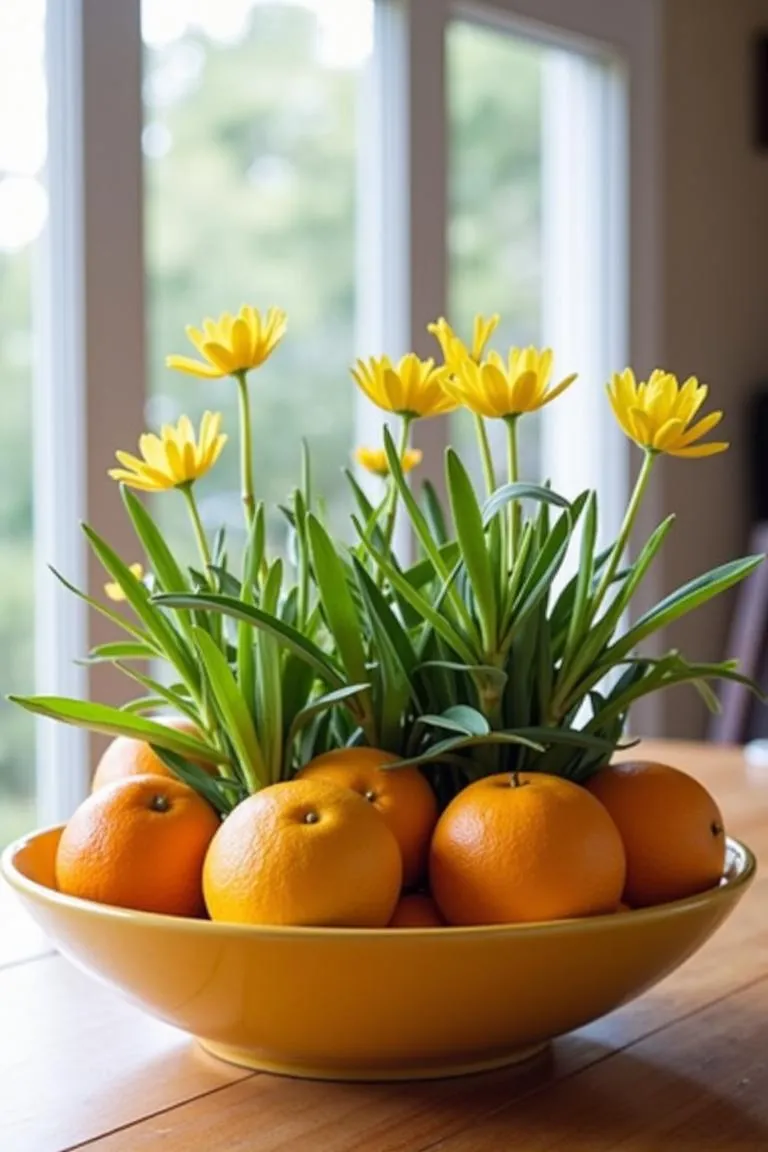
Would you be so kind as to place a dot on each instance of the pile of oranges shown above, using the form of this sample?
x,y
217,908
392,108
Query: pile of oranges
x,y
353,842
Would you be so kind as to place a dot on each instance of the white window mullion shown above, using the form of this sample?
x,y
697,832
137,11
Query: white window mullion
x,y
59,426
584,299
402,223
90,384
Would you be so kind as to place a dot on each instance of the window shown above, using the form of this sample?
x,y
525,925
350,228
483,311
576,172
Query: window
x,y
23,211
495,203
250,153
272,175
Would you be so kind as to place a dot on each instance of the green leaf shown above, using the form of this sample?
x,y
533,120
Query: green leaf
x,y
268,681
221,794
685,599
339,609
167,572
235,717
109,653
219,548
113,722
143,704
226,583
424,571
116,618
581,600
519,490
538,582
474,551
319,705
252,560
370,514
380,610
444,628
393,688
488,671
171,644
459,718
570,736
171,696
459,743
433,510
417,517
290,637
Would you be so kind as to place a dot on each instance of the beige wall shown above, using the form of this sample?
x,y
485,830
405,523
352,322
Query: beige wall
x,y
714,305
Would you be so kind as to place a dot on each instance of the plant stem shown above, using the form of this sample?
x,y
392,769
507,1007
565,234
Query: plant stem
x,y
389,527
197,524
246,448
513,475
626,528
486,457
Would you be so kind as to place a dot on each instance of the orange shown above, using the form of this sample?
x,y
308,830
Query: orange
x,y
139,843
525,847
416,911
304,852
126,757
402,795
671,827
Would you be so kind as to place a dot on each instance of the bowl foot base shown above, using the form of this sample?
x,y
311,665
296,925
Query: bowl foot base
x,y
427,1069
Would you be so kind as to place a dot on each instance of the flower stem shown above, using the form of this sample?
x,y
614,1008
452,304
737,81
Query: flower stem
x,y
486,458
246,448
513,475
389,527
197,524
624,533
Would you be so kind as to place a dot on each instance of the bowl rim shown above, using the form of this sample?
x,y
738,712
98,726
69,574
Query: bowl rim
x,y
726,890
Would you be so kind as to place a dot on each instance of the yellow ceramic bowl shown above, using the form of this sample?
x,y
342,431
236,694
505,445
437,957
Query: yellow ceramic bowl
x,y
367,1004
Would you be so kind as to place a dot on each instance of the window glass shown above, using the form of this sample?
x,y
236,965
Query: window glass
x,y
23,211
495,202
250,128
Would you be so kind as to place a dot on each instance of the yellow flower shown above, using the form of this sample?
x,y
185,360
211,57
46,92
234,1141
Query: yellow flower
x,y
412,388
499,390
232,344
454,350
375,460
113,589
174,458
657,413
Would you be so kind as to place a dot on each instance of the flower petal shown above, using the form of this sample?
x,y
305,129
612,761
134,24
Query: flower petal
x,y
699,450
193,367
705,425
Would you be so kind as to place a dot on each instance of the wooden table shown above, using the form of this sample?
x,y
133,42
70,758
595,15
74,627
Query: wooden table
x,y
685,1068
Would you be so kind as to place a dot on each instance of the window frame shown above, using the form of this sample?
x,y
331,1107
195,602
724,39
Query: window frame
x,y
89,389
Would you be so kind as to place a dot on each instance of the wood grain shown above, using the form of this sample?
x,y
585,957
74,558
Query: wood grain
x,y
75,1060
681,1068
